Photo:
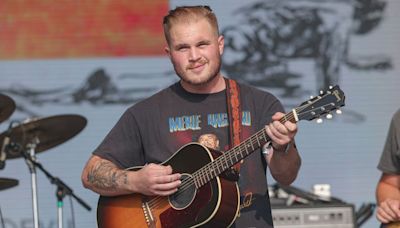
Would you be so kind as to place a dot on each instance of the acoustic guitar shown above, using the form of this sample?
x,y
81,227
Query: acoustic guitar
x,y
207,197
391,225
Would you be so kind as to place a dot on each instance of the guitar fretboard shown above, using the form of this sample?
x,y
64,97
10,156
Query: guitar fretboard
x,y
235,155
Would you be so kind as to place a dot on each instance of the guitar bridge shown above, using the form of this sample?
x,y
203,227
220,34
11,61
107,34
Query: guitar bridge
x,y
148,215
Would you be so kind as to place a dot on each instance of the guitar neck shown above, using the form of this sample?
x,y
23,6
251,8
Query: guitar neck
x,y
237,153
308,110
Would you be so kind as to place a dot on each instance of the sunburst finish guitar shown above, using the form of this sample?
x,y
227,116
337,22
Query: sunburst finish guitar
x,y
207,197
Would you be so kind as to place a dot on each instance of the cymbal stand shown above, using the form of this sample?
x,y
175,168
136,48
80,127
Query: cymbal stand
x,y
30,158
62,190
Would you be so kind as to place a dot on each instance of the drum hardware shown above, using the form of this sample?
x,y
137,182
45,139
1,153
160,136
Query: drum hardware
x,y
37,135
7,107
6,183
62,188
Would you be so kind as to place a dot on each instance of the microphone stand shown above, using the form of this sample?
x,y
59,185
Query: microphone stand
x,y
30,161
62,188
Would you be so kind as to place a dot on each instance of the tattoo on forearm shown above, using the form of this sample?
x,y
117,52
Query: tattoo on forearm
x,y
105,175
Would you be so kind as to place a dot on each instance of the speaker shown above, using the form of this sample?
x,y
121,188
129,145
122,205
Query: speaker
x,y
314,216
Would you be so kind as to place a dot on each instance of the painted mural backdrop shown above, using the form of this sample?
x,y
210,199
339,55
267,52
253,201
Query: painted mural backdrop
x,y
96,58
78,29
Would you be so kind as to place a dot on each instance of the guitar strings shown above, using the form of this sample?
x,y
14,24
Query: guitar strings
x,y
189,182
201,173
204,175
230,154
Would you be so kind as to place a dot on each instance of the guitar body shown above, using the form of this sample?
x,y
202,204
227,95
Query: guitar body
x,y
214,204
391,225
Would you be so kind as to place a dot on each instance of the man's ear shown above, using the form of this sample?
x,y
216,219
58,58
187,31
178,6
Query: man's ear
x,y
221,43
167,50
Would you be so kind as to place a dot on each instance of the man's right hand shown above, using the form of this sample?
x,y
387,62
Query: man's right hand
x,y
155,179
104,177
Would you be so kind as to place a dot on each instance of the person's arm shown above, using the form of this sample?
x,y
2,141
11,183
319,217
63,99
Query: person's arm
x,y
105,178
284,160
388,198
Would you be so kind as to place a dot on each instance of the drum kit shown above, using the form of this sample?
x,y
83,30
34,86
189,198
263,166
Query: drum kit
x,y
26,139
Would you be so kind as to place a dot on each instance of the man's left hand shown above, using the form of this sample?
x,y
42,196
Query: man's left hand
x,y
281,134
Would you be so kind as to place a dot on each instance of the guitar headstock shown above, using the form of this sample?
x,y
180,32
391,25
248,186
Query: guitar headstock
x,y
323,104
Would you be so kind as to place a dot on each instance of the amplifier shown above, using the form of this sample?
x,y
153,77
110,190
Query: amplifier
x,y
314,216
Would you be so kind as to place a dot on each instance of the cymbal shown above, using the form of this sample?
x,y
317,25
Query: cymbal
x,y
7,183
7,107
45,132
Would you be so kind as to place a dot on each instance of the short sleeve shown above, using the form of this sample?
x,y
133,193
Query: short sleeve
x,y
390,158
123,145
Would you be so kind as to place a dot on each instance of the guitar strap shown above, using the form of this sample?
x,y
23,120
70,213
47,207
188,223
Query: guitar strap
x,y
234,115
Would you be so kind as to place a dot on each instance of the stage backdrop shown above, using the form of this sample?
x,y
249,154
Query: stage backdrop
x,y
96,58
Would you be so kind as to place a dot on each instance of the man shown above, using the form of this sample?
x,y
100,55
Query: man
x,y
388,189
152,130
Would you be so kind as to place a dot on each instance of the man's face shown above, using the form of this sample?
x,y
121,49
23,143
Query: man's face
x,y
195,51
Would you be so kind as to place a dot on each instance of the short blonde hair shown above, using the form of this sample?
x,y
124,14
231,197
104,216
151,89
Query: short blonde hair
x,y
188,14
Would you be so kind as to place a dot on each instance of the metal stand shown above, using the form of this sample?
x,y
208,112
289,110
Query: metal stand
x,y
30,161
62,190
52,131
60,194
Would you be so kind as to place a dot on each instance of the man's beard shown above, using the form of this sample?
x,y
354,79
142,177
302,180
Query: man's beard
x,y
214,73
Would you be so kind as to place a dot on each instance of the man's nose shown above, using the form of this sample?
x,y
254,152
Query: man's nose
x,y
194,54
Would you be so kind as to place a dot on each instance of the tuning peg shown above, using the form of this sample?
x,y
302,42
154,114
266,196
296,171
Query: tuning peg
x,y
319,120
321,92
329,116
338,111
311,97
330,87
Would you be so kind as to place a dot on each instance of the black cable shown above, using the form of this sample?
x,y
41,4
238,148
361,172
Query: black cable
x,y
364,213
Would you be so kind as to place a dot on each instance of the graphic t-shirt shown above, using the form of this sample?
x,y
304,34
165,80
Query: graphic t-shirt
x,y
152,130
390,158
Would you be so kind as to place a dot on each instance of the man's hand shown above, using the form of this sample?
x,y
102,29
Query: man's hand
x,y
388,211
155,179
283,166
280,134
388,198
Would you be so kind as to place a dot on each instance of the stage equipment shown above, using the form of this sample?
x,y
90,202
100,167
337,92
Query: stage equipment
x,y
42,133
314,216
295,208
7,107
37,135
6,183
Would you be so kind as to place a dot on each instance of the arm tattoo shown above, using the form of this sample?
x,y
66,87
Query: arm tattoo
x,y
106,176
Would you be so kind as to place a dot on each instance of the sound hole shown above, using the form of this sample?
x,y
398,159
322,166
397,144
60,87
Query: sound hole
x,y
185,194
